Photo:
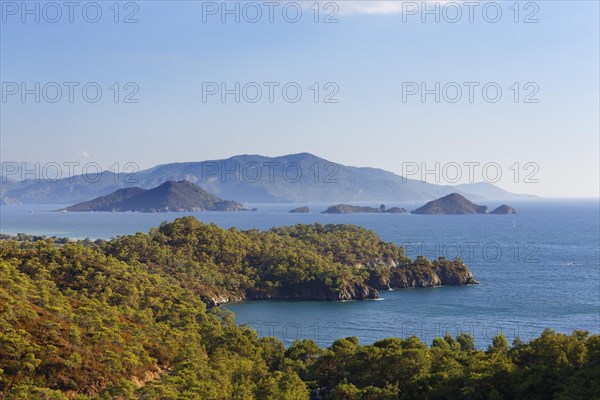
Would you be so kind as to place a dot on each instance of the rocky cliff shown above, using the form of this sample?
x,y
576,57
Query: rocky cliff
x,y
317,290
439,273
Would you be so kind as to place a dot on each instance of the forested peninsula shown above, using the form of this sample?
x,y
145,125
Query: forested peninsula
x,y
304,262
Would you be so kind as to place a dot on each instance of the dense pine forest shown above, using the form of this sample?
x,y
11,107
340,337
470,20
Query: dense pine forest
x,y
136,318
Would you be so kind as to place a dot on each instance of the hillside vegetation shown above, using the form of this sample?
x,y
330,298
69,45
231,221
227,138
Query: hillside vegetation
x,y
125,319
319,262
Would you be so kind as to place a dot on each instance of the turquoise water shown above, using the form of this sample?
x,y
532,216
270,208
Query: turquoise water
x,y
537,269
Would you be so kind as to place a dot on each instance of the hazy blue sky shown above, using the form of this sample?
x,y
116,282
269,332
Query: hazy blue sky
x,y
370,54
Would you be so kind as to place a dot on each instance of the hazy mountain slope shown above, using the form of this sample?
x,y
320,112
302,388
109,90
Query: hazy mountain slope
x,y
488,191
108,202
169,196
253,178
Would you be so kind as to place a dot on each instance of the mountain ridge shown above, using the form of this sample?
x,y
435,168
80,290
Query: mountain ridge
x,y
292,178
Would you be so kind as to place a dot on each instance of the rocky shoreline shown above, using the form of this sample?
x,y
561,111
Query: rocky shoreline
x,y
383,277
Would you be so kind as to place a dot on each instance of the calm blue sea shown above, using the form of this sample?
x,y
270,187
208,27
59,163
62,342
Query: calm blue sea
x,y
537,269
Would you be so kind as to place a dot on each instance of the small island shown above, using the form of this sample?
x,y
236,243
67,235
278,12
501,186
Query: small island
x,y
349,209
300,210
456,204
504,210
452,204
182,196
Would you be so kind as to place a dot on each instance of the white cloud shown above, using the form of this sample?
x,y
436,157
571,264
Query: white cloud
x,y
377,7
84,154
370,7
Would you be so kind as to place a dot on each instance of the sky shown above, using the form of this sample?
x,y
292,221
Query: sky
x,y
511,85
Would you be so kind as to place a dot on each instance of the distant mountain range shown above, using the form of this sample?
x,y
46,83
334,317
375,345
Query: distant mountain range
x,y
294,178
169,196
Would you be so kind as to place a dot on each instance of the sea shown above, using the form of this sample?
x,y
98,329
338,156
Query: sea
x,y
537,269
